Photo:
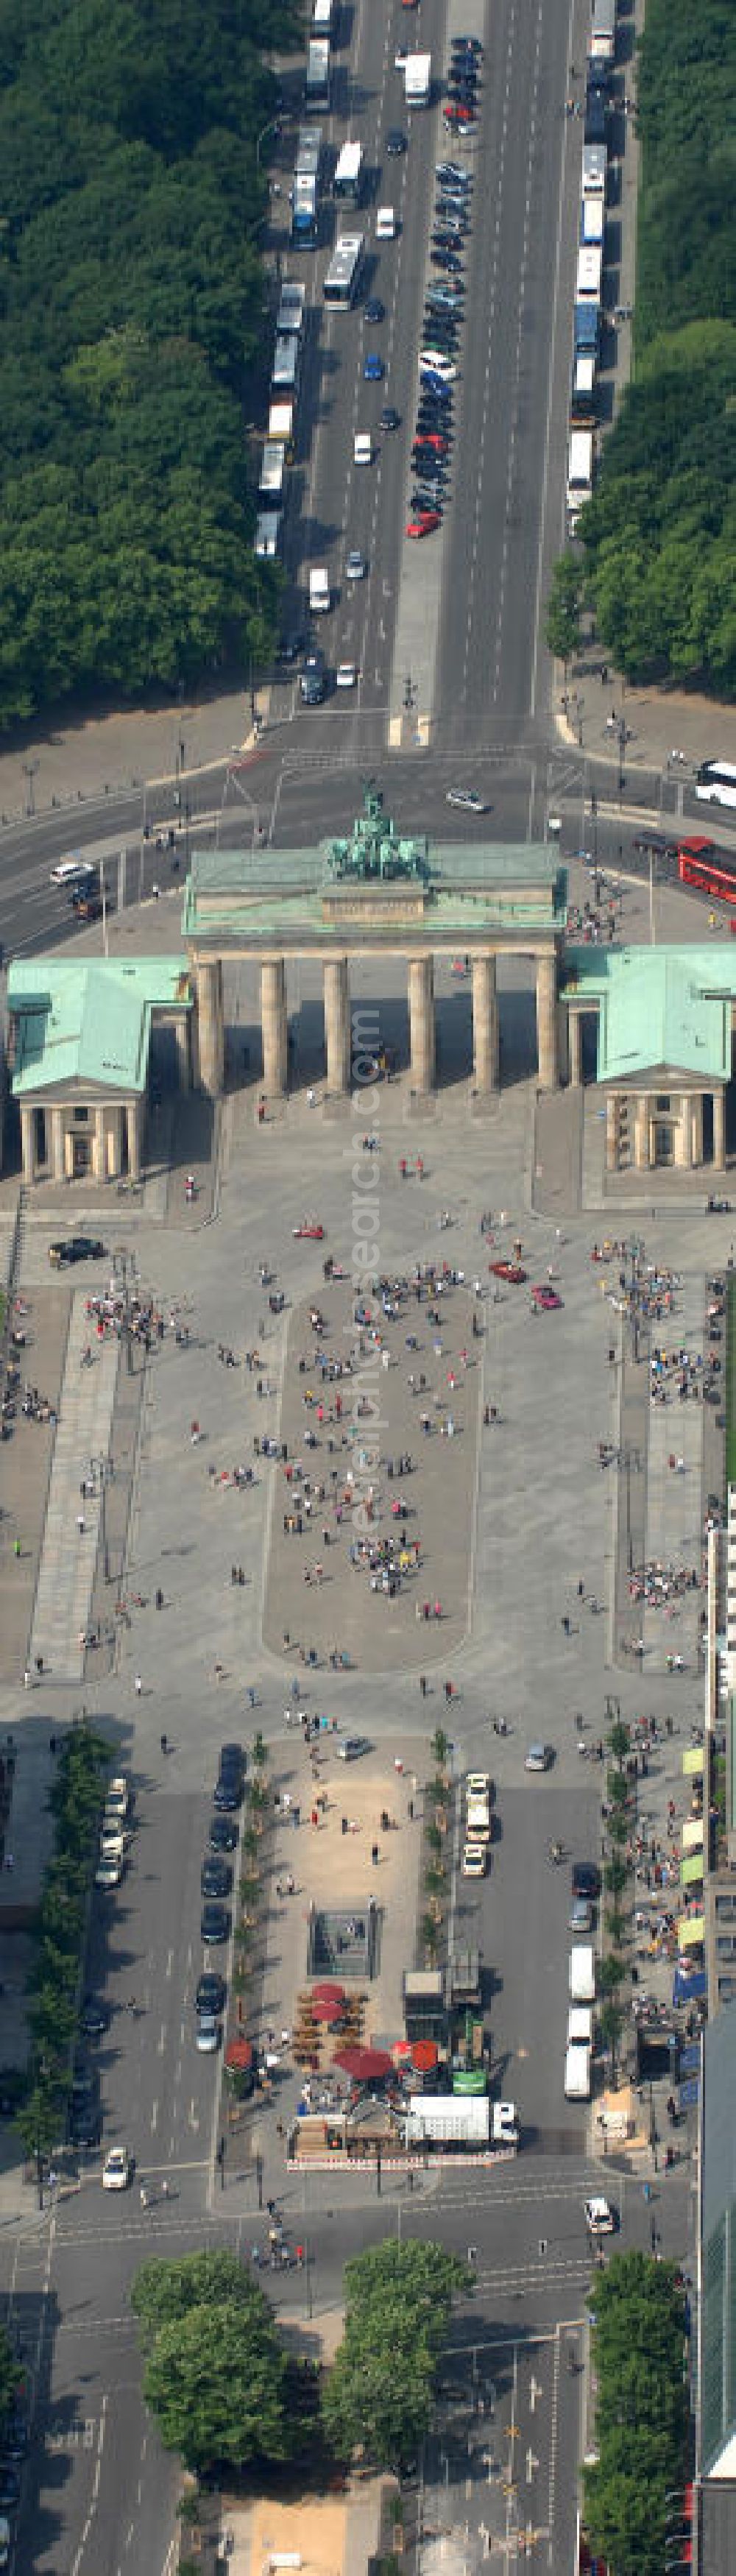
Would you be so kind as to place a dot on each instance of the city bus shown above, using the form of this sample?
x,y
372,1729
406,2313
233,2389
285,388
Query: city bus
x,y
317,83
716,782
708,870
343,275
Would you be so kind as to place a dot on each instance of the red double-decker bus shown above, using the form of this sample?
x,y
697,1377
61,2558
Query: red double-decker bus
x,y
708,870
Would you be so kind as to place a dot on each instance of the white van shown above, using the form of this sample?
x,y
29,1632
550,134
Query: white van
x,y
362,447
385,224
581,1979
72,872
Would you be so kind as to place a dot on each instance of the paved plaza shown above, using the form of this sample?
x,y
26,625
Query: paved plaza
x,y
372,1508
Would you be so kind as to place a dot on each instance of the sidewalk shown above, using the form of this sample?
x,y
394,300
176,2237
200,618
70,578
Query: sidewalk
x,y
67,1569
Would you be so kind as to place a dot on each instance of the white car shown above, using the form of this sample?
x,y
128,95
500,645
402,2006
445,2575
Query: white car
x,y
439,364
600,2218
117,2169
356,565
474,1860
478,1785
112,1841
109,1870
117,1797
346,675
467,798
209,2034
401,57
538,1758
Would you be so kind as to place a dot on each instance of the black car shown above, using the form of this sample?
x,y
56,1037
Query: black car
x,y
289,649
85,2125
76,1247
14,2437
211,1991
217,1876
440,333
313,681
233,1758
395,143
390,419
228,1794
223,1834
9,2487
94,2018
448,261
586,1879
445,239
215,1922
451,174
375,311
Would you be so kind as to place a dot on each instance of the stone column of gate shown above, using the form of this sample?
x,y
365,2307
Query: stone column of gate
x,y
485,1024
210,1027
548,1073
274,1026
337,1023
575,1037
421,1022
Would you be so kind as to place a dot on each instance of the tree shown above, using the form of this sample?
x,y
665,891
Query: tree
x,y
214,2373
379,2394
215,2382
440,1747
562,628
641,2413
620,1742
611,2026
11,2375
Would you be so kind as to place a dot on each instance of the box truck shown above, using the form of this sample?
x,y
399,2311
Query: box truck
x,y
577,2075
319,591
582,1973
579,488
417,78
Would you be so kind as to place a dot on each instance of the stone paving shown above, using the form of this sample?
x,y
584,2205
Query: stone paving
x,y
341,1492
67,1570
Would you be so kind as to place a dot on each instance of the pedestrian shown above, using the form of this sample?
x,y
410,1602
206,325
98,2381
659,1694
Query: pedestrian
x,y
138,1685
16,1547
164,1744
159,1599
80,1524
423,1684
374,1855
251,1695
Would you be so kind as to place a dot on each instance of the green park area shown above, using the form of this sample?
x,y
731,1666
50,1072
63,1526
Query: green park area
x,y
660,531
131,315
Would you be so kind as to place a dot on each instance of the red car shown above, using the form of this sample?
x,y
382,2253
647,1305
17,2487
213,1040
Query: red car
x,y
309,1231
454,114
510,1270
423,524
430,438
547,1298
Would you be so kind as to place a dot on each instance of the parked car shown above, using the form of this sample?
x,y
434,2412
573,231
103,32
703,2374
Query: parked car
x,y
211,1992
216,1876
586,1879
215,1922
224,1835
208,2034
76,1247
424,524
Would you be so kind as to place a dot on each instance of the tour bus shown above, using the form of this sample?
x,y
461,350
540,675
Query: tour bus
x,y
285,369
343,275
347,179
317,83
716,782
708,870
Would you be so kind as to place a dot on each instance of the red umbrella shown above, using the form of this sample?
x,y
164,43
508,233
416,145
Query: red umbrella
x,y
324,2010
424,2055
239,2054
328,1992
400,2051
364,2065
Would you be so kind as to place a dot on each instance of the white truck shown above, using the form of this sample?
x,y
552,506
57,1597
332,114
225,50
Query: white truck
x,y
577,2074
460,2120
579,473
319,591
417,79
581,1979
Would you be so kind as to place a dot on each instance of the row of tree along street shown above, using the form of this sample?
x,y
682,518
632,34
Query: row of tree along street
x,y
131,318
659,534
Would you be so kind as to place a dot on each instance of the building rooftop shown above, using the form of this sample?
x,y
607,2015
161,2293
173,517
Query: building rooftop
x,y
658,1008
373,888
88,1022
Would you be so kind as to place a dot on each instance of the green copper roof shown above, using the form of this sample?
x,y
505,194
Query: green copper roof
x,y
658,1007
89,1023
313,897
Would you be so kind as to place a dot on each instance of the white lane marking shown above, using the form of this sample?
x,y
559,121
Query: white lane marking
x,y
77,2561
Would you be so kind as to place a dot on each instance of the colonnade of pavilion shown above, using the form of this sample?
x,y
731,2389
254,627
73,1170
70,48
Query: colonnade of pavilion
x,y
338,1022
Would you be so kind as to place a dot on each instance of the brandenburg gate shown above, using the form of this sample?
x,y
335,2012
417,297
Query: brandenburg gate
x,y
377,894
